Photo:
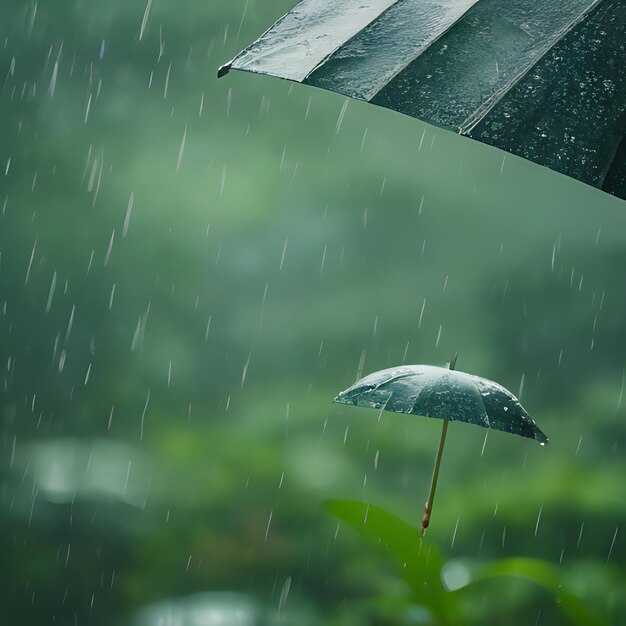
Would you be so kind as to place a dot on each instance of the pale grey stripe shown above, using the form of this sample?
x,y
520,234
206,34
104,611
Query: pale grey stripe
x,y
367,62
297,43
472,65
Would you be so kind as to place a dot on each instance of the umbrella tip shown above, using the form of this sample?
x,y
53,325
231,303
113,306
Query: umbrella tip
x,y
223,70
452,361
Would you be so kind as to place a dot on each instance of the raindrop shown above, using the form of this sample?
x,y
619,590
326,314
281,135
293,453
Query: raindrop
x,y
167,81
363,141
129,208
88,108
53,285
269,522
521,387
284,594
323,260
456,527
612,544
144,21
263,300
30,263
342,114
181,150
422,140
53,80
110,247
484,443
143,415
419,323
161,44
282,258
244,373
580,535
538,520
578,446
359,371
70,323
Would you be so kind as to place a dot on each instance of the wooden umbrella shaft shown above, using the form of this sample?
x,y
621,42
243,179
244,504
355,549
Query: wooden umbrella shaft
x,y
433,483
428,508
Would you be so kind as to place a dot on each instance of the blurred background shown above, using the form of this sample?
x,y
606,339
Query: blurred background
x,y
191,270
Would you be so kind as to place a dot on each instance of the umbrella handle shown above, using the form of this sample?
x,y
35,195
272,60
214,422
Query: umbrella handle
x,y
428,507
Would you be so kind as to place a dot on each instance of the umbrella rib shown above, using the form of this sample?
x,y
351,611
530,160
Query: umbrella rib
x,y
482,403
479,114
396,377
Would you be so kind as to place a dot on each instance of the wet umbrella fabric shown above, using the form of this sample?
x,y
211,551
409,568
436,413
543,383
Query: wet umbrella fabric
x,y
543,79
445,394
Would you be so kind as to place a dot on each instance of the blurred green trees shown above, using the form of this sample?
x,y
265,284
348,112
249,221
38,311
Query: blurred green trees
x,y
191,270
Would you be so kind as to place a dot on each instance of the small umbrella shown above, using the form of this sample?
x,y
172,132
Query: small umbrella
x,y
445,394
543,79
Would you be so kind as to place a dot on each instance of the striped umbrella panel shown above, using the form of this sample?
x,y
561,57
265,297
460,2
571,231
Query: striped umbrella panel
x,y
543,79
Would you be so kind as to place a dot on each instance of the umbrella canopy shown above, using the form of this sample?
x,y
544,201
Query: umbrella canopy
x,y
543,79
445,394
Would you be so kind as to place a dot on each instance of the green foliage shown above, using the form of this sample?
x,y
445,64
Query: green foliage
x,y
166,425
421,566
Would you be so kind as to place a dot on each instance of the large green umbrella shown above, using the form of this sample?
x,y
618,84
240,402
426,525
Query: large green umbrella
x,y
543,79
445,394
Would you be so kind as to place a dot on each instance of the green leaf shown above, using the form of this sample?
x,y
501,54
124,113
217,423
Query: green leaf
x,y
418,562
545,574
